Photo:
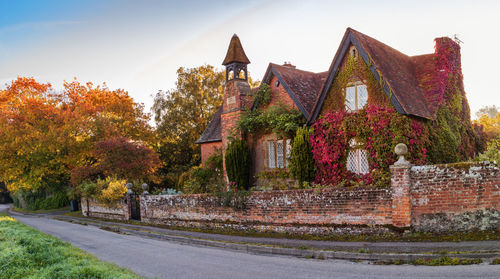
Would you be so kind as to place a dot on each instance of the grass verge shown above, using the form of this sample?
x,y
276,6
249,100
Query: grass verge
x,y
382,237
434,262
74,214
28,253
41,211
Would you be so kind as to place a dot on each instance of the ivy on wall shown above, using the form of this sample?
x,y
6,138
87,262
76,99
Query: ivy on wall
x,y
278,119
449,137
377,129
452,136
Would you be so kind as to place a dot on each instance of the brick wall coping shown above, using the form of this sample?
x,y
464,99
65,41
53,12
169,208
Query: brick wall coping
x,y
472,166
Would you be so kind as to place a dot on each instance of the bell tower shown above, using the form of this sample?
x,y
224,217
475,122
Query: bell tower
x,y
236,61
236,93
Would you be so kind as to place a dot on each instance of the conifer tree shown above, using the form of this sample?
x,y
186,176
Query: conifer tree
x,y
302,162
237,160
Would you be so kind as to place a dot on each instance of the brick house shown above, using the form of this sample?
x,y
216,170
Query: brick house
x,y
408,83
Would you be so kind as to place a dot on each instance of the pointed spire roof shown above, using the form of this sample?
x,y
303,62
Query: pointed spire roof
x,y
235,52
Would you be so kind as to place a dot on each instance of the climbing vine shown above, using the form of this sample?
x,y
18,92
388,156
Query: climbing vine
x,y
279,119
453,137
377,129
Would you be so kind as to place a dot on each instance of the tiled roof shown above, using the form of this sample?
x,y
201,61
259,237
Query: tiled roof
x,y
407,80
398,70
425,71
235,52
303,86
400,74
213,131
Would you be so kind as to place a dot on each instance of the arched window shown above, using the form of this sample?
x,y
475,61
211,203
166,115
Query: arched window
x,y
357,158
241,74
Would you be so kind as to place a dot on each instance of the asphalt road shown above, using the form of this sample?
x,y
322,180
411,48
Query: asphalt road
x,y
163,259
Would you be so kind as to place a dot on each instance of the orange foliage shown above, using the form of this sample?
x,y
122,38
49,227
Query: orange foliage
x,y
46,133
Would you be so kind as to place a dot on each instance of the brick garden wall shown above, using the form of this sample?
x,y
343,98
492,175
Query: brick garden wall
x,y
297,211
455,197
116,211
437,198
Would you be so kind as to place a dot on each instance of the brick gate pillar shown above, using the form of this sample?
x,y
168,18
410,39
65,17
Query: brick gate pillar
x,y
400,182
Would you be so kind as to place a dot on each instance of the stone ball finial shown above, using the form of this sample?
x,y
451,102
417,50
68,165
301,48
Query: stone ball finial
x,y
401,150
129,187
145,189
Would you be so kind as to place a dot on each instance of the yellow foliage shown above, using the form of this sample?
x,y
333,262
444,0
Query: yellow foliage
x,y
45,134
7,218
112,189
491,125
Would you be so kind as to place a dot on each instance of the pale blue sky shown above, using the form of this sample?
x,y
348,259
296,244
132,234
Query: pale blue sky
x,y
138,45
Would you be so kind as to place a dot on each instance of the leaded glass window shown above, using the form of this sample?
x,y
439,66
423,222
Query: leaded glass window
x,y
271,155
356,97
357,159
280,158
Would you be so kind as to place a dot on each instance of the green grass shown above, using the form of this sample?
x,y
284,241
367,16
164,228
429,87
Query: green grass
x,y
392,236
74,214
495,261
22,210
433,262
28,253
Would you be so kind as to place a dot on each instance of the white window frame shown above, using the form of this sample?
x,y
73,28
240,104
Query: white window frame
x,y
280,154
276,160
271,154
288,153
357,154
357,102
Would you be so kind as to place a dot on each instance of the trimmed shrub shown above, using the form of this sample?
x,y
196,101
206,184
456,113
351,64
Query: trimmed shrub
x,y
302,161
238,163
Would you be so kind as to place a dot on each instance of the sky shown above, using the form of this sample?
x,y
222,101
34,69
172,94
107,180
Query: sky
x,y
139,45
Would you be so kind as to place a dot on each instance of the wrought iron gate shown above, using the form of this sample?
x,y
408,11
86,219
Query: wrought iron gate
x,y
135,207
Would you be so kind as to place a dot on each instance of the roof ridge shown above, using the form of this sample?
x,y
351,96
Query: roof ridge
x,y
296,69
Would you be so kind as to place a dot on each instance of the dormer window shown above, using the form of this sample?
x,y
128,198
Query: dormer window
x,y
356,97
357,159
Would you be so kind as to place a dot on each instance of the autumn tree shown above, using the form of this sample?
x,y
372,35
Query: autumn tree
x,y
45,133
489,118
182,114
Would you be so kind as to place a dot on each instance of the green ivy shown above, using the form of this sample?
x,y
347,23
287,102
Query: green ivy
x,y
263,96
278,119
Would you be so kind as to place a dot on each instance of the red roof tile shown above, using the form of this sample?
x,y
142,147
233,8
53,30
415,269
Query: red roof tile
x,y
303,86
398,70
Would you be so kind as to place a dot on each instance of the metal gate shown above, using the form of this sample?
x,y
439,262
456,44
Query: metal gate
x,y
135,207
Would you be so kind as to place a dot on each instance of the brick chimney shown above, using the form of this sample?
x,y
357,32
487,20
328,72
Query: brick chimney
x,y
289,64
448,56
